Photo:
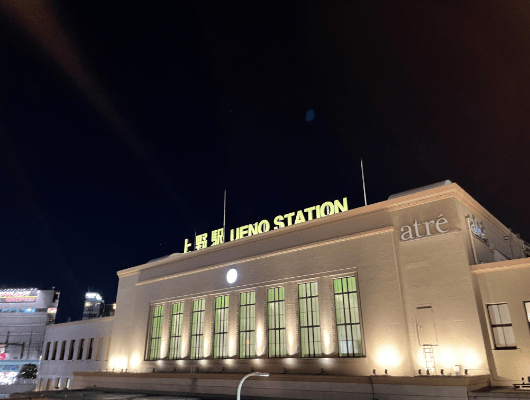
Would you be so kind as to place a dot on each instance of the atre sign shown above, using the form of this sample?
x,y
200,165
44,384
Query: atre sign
x,y
424,229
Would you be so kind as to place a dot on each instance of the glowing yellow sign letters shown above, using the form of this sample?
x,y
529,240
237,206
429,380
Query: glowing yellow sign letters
x,y
280,221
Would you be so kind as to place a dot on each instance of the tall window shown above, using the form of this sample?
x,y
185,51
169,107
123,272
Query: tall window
x,y
501,325
63,348
90,347
309,320
197,329
155,336
276,322
347,317
54,351
527,310
107,348
220,338
71,350
247,325
175,334
80,349
47,352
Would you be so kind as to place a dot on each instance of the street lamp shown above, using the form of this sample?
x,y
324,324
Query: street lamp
x,y
245,377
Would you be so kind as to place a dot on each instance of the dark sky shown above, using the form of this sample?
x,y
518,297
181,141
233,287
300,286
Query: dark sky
x,y
123,122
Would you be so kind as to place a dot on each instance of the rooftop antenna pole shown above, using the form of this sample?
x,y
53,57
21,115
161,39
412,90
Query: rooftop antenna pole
x,y
364,188
224,220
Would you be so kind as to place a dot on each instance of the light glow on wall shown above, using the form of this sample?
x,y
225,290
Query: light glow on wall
x,y
260,347
135,360
447,359
387,356
232,346
291,344
471,359
118,363
326,342
290,361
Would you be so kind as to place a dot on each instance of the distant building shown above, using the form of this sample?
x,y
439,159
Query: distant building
x,y
24,314
94,305
109,310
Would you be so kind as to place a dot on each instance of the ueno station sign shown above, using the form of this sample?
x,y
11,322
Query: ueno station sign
x,y
280,221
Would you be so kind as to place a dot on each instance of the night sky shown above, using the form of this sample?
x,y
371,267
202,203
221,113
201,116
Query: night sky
x,y
123,122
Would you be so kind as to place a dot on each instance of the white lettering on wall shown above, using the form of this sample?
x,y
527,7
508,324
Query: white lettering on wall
x,y
424,229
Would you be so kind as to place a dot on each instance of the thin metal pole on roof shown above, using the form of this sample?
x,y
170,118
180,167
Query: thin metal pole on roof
x,y
224,220
364,188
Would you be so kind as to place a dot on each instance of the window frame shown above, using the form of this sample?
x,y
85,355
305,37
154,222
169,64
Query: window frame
x,y
54,351
71,350
89,349
62,350
502,325
175,338
313,330
153,350
527,311
197,337
80,349
220,331
279,334
247,318
358,325
47,351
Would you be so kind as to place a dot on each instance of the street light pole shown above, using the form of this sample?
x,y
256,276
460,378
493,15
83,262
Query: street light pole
x,y
245,377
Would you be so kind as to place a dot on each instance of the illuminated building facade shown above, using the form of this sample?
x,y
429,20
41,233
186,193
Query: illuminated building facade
x,y
425,283
94,305
24,315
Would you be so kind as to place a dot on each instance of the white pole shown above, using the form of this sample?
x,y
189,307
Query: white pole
x,y
364,188
245,377
224,220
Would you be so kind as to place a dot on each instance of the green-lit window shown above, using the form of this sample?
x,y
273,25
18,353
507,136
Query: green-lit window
x,y
309,320
347,317
247,325
220,338
175,333
155,336
276,322
197,329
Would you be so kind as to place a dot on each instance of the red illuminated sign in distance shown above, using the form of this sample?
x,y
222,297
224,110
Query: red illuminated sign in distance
x,y
18,296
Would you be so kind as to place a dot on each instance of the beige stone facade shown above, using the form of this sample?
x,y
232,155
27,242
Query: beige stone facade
x,y
428,266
